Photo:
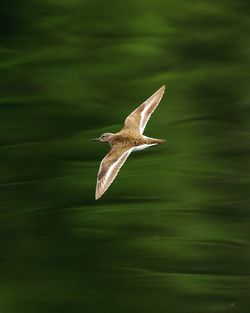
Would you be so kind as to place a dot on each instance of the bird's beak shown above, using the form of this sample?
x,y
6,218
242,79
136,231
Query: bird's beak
x,y
96,139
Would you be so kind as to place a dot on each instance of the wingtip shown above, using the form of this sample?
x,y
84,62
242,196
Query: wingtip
x,y
98,195
161,90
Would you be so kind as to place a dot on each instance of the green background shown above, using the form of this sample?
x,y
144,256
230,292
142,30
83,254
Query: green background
x,y
172,233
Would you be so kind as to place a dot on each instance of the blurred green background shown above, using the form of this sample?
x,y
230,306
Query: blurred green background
x,y
172,233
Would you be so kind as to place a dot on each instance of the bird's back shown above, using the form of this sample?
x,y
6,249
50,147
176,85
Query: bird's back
x,y
127,137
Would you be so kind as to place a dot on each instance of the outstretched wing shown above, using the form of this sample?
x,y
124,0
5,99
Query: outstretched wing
x,y
138,119
110,167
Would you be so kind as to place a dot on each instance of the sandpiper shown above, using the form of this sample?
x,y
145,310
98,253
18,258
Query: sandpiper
x,y
129,139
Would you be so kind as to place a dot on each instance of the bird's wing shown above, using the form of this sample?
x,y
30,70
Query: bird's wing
x,y
138,119
110,167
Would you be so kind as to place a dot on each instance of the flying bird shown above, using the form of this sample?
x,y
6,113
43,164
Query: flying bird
x,y
129,139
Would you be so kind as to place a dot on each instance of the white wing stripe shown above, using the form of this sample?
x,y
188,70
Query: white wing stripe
x,y
141,120
144,114
112,167
110,170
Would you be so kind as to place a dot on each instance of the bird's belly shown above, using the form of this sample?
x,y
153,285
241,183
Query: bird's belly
x,y
144,146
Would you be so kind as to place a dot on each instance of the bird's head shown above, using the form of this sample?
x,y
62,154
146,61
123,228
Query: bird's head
x,y
104,137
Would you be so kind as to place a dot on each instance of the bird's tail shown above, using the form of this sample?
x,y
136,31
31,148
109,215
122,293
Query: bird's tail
x,y
156,141
160,140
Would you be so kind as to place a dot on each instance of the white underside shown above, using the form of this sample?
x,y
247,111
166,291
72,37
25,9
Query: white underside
x,y
142,147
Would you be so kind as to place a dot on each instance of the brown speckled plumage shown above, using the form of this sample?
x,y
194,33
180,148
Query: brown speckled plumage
x,y
124,142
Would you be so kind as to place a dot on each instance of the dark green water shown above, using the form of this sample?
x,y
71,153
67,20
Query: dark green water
x,y
172,233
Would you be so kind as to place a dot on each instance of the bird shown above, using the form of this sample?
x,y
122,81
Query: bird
x,y
129,139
